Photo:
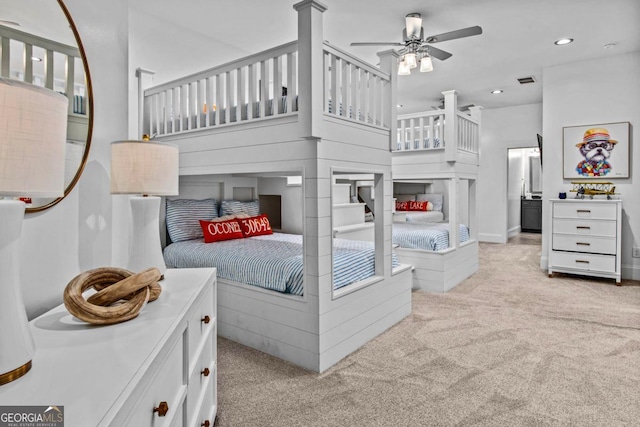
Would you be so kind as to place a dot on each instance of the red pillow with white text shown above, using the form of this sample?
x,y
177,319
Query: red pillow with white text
x,y
255,226
215,231
413,206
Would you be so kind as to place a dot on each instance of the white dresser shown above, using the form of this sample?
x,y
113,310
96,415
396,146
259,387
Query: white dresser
x,y
585,237
158,369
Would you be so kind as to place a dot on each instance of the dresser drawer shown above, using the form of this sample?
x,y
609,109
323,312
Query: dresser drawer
x,y
208,407
585,262
585,210
166,385
585,227
592,244
201,377
200,323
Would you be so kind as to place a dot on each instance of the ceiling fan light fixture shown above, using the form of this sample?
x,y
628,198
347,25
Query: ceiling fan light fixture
x,y
426,64
403,69
414,25
411,60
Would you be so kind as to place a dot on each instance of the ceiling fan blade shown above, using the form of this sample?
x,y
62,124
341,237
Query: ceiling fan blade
x,y
414,24
377,44
457,34
438,53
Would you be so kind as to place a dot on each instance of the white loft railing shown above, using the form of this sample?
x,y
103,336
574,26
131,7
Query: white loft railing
x,y
253,88
421,131
355,90
468,133
60,69
434,130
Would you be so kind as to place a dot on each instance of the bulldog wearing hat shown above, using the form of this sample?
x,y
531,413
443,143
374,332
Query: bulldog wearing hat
x,y
596,147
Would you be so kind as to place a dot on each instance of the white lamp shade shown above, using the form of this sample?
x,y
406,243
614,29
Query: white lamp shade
x,y
33,133
403,69
410,60
426,64
144,167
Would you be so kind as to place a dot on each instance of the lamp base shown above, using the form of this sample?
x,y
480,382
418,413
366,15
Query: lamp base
x,y
15,374
16,341
145,250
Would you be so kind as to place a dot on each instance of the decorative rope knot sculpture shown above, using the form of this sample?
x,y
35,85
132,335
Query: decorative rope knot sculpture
x,y
120,294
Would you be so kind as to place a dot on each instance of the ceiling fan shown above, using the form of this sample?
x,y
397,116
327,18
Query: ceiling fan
x,y
417,48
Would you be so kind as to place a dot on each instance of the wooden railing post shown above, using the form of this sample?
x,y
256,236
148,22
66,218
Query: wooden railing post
x,y
389,117
144,78
454,214
310,59
451,126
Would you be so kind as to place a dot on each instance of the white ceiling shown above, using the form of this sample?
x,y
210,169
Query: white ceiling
x,y
517,39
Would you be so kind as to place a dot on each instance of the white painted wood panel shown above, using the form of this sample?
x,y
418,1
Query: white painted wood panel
x,y
296,355
440,271
338,352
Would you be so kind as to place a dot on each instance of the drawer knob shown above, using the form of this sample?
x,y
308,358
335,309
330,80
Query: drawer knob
x,y
205,372
583,227
206,423
162,409
206,320
582,261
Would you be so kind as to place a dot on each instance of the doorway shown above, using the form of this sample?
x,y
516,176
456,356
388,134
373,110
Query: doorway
x,y
524,191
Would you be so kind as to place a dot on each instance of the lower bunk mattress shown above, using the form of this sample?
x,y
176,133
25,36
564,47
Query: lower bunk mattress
x,y
424,217
430,237
272,261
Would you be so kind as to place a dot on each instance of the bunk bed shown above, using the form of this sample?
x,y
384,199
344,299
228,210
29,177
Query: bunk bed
x,y
305,109
435,157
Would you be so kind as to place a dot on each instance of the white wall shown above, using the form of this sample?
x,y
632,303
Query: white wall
x,y
580,94
75,235
502,128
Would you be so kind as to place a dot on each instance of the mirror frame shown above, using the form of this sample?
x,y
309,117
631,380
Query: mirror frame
x,y
85,155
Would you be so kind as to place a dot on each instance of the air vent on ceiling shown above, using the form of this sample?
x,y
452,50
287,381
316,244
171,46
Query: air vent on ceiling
x,y
525,80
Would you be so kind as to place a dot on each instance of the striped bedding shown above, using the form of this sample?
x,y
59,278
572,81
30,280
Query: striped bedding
x,y
273,261
431,237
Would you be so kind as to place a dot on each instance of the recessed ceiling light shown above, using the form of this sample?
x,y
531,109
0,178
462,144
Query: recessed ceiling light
x,y
36,59
563,41
609,46
497,91
399,105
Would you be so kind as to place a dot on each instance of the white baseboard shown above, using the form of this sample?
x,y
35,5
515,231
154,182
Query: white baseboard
x,y
491,238
515,230
631,272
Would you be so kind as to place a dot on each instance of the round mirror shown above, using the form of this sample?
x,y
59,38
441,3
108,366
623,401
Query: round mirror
x,y
41,45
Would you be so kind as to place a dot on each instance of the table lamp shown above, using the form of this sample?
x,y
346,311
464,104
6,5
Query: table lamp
x,y
148,168
33,132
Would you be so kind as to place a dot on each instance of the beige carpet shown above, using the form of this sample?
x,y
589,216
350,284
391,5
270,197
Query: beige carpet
x,y
508,347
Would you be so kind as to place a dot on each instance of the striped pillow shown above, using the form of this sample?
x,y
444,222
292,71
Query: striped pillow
x,y
234,207
184,215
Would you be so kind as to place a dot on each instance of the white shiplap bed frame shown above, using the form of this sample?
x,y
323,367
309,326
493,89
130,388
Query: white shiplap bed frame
x,y
455,159
345,116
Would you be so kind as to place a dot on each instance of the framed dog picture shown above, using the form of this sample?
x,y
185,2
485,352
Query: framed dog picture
x,y
599,151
